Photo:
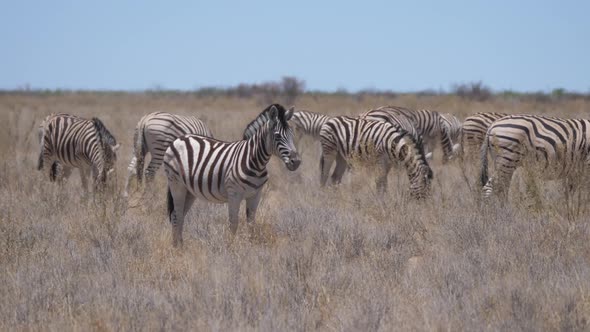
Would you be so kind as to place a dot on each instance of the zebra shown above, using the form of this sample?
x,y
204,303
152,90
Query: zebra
x,y
154,133
57,172
555,148
308,123
454,127
473,132
426,123
224,172
73,142
344,138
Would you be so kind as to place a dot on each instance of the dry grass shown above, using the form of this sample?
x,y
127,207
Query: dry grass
x,y
334,259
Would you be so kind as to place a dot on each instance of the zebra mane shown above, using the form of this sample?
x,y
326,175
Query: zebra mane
x,y
418,143
263,118
104,134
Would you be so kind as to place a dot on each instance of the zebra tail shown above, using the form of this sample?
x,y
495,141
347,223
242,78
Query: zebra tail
x,y
170,203
484,161
140,151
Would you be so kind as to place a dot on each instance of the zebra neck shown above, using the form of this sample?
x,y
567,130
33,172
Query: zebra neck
x,y
260,149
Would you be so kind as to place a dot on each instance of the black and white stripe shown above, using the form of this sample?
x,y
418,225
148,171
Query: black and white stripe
x,y
474,130
153,134
550,148
454,127
344,138
73,142
224,172
308,123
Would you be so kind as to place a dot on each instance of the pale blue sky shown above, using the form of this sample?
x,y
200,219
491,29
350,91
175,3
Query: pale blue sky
x,y
397,45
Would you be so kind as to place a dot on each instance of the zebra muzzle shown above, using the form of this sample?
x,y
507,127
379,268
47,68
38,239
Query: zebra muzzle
x,y
293,161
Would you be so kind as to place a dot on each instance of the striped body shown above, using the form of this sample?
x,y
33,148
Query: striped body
x,y
57,172
221,172
73,142
553,148
474,131
345,138
308,123
453,126
153,134
428,124
398,116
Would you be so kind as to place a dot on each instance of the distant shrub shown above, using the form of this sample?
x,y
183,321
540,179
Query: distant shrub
x,y
473,91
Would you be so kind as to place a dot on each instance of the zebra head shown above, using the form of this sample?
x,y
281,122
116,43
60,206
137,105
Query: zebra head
x,y
109,145
281,136
420,173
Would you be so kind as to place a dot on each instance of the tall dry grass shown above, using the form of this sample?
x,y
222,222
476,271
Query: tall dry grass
x,y
336,258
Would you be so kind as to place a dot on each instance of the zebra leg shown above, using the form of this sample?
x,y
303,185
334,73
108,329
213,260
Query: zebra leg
x,y
233,206
154,165
325,165
252,205
54,172
84,179
341,166
381,181
177,195
131,173
532,189
500,183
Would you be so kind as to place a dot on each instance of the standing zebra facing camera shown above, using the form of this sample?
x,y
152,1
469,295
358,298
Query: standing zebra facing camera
x,y
73,142
345,138
153,134
554,148
224,172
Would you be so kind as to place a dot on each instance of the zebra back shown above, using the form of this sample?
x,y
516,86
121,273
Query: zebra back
x,y
453,125
310,123
395,115
474,127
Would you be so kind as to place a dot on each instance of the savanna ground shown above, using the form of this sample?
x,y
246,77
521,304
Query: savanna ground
x,y
329,259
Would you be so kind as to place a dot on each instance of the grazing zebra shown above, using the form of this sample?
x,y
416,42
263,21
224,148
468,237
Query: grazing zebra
x,y
56,171
154,133
344,138
454,127
474,131
553,148
426,123
398,116
222,172
73,142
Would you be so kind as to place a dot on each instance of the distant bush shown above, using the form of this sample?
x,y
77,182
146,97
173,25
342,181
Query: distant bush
x,y
284,91
473,91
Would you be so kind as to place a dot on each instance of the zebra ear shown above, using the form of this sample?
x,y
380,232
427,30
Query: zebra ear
x,y
274,112
116,147
289,113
